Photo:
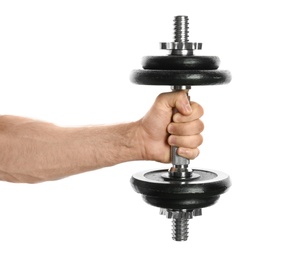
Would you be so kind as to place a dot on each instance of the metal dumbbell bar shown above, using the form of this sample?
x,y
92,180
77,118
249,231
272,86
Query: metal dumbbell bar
x,y
180,192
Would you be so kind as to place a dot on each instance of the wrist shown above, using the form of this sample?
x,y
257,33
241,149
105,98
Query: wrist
x,y
133,142
116,144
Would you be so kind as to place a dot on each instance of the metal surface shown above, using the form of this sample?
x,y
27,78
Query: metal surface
x,y
180,221
179,214
181,44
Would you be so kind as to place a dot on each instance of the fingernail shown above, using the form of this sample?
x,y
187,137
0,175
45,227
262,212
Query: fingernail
x,y
184,152
172,140
170,128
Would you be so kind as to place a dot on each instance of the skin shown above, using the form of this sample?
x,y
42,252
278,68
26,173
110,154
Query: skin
x,y
33,151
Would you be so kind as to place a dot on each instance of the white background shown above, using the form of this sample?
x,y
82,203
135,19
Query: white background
x,y
68,62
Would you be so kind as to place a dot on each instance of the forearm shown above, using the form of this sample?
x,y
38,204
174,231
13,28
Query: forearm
x,y
33,151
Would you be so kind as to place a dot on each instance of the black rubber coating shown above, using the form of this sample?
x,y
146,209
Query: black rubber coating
x,y
196,193
181,62
180,77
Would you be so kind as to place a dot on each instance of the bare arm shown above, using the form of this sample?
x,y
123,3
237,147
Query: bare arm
x,y
33,151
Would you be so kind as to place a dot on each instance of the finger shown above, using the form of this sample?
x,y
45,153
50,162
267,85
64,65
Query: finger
x,y
177,99
185,141
197,112
188,153
186,129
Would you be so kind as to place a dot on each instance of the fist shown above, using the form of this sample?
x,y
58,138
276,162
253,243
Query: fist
x,y
160,128
185,131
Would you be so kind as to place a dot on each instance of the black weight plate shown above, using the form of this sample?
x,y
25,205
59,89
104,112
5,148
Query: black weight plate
x,y
181,203
195,193
180,77
180,62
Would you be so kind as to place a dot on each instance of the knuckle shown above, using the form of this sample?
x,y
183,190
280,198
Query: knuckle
x,y
197,140
200,126
193,156
198,109
177,117
194,153
200,140
160,97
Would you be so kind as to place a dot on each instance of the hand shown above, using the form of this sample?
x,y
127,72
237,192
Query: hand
x,y
160,129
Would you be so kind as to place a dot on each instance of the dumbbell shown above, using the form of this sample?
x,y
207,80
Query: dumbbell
x,y
180,192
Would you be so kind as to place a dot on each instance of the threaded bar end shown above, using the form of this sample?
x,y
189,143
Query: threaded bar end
x,y
180,229
181,28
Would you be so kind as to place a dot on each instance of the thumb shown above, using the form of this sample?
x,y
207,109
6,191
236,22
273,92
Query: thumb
x,y
179,100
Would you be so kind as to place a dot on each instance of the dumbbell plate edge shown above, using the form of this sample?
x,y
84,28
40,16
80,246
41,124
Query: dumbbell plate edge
x,y
180,77
197,193
181,62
